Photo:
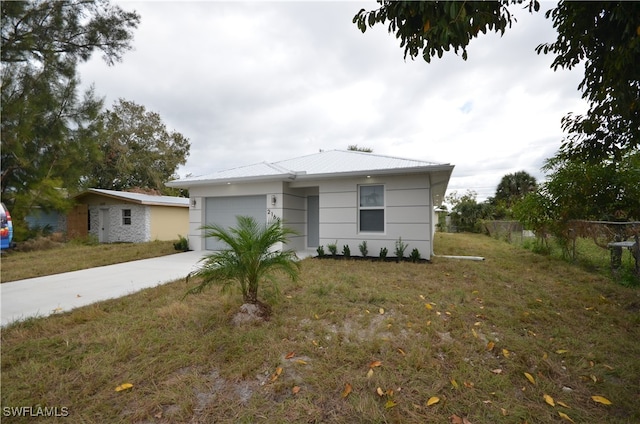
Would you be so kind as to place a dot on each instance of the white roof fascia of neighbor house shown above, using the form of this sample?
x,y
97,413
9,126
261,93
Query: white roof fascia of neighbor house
x,y
142,199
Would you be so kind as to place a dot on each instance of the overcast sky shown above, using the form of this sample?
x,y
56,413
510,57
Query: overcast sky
x,y
268,81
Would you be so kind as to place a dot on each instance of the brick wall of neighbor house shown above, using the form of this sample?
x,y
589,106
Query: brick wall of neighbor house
x,y
137,232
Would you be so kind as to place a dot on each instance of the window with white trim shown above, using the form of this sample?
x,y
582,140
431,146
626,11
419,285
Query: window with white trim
x,y
371,210
126,216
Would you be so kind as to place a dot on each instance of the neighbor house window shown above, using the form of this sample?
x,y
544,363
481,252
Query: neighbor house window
x,y
126,216
371,208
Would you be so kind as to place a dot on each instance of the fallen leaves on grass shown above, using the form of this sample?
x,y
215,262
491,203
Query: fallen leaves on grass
x,y
433,400
295,390
124,386
459,420
602,400
276,374
565,417
530,378
347,390
549,400
290,355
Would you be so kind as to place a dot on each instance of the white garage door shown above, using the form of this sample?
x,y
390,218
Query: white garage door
x,y
223,211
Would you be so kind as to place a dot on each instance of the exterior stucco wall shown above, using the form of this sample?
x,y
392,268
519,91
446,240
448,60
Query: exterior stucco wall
x,y
167,222
295,214
408,213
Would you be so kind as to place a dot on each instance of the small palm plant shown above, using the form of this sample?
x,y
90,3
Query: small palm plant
x,y
248,259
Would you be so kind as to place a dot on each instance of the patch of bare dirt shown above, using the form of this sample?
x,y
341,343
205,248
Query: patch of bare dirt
x,y
252,313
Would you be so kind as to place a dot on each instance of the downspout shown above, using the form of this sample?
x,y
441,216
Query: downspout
x,y
469,258
433,212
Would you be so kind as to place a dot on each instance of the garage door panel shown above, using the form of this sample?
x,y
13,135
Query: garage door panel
x,y
223,211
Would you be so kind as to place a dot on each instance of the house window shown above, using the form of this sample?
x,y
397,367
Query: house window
x,y
126,216
371,208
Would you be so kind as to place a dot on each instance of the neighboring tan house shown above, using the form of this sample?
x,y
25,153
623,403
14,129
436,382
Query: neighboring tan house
x,y
118,216
341,197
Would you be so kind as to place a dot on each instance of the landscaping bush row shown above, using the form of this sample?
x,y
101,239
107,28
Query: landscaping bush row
x,y
400,248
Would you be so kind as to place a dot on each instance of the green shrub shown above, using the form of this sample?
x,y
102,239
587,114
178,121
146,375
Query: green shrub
x,y
346,251
333,248
363,249
182,244
383,253
400,248
414,256
320,251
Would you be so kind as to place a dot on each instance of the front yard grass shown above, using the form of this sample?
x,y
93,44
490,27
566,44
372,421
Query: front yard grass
x,y
350,341
73,257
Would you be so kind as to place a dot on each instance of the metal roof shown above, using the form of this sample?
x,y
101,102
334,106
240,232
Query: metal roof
x,y
143,199
250,171
322,164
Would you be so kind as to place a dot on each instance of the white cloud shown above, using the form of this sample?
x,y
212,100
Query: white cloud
x,y
248,82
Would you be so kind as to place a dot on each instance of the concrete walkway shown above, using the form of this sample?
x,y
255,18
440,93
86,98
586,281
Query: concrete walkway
x,y
43,296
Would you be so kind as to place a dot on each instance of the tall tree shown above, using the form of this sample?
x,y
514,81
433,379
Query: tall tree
x,y
466,213
47,126
356,148
138,151
608,190
513,187
604,36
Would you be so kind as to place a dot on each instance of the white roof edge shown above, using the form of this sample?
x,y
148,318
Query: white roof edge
x,y
140,198
393,171
220,181
303,175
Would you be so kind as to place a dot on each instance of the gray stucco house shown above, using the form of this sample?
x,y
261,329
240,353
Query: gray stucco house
x,y
342,197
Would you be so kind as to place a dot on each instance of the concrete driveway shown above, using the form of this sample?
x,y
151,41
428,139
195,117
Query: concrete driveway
x,y
43,296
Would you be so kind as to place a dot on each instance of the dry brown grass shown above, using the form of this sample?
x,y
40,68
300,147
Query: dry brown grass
x,y
486,324
65,257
